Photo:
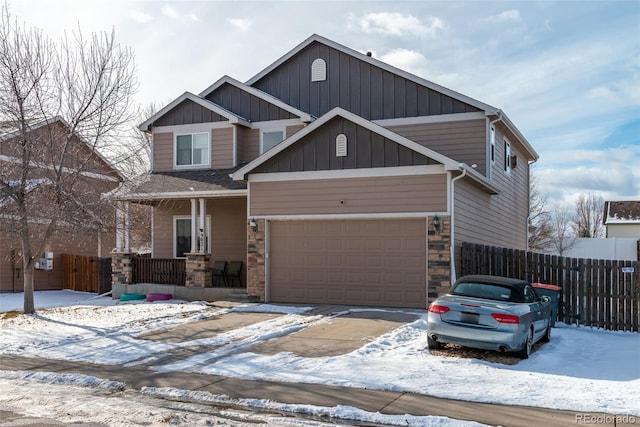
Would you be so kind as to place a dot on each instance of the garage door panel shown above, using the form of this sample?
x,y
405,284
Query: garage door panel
x,y
358,262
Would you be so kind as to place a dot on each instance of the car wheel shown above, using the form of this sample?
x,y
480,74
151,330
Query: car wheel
x,y
547,333
528,344
433,344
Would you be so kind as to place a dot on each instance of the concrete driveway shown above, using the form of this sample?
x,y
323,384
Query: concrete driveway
x,y
338,335
346,329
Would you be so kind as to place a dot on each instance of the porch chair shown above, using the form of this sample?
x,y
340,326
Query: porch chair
x,y
219,271
234,272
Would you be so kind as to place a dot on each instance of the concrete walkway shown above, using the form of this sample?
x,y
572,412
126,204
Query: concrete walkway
x,y
386,402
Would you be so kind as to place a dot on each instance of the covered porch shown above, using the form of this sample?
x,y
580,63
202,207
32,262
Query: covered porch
x,y
198,240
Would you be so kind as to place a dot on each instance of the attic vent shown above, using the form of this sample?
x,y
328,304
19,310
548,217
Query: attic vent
x,y
318,70
341,145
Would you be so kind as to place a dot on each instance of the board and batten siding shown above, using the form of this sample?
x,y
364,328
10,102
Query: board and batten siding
x,y
462,141
222,148
371,195
186,113
363,88
247,105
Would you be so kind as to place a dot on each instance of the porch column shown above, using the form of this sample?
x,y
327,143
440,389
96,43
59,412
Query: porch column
x,y
202,234
127,226
194,225
119,228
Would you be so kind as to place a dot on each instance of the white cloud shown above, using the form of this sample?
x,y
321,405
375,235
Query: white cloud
x,y
512,15
172,13
406,59
240,23
396,24
140,17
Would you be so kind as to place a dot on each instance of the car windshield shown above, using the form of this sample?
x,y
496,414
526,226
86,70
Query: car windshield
x,y
483,290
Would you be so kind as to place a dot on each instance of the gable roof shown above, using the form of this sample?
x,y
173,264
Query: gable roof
x,y
622,212
12,131
488,109
305,117
337,111
448,163
205,103
375,62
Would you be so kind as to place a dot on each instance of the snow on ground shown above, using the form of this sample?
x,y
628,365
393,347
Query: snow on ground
x,y
580,369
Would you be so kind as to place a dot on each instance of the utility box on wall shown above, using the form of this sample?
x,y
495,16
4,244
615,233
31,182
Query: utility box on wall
x,y
46,262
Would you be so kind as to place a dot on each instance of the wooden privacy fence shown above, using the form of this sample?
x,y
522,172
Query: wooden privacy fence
x,y
85,273
169,271
600,293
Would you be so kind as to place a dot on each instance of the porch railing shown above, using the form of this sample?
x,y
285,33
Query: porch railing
x,y
168,271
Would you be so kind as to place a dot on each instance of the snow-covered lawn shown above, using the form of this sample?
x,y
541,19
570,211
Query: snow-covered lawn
x,y
580,369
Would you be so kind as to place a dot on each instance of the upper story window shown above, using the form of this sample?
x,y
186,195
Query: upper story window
x,y
507,156
492,139
270,140
192,149
318,70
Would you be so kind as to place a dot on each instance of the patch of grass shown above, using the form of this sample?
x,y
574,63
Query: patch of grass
x,y
10,314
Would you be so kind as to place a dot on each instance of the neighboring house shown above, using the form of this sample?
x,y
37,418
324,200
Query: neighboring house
x,y
98,177
622,218
334,177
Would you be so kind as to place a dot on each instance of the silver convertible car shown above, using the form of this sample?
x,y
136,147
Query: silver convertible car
x,y
491,313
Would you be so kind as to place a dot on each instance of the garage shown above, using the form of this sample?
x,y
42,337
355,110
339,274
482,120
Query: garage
x,y
372,262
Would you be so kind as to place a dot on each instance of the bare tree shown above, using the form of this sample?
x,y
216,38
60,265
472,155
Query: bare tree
x,y
85,83
589,211
562,237
539,221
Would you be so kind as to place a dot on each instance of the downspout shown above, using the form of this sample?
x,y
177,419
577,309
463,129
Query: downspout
x,y
491,123
451,226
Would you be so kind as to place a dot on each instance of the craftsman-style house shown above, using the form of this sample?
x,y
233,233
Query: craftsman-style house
x,y
333,178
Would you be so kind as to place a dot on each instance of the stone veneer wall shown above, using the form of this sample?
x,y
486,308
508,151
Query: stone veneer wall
x,y
122,268
198,270
256,261
439,260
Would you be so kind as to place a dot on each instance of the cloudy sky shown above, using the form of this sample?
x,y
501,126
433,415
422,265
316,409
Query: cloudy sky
x,y
567,73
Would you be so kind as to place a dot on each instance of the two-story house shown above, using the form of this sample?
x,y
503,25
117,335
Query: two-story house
x,y
55,156
335,178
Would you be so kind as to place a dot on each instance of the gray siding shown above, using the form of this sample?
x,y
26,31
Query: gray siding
x,y
462,141
246,105
391,194
186,113
355,85
365,149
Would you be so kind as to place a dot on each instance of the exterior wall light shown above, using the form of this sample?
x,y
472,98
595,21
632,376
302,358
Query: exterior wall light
x,y
437,227
253,224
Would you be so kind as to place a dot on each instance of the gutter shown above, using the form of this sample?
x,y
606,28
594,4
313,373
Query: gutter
x,y
451,231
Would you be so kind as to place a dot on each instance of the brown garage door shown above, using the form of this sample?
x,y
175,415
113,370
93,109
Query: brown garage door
x,y
354,262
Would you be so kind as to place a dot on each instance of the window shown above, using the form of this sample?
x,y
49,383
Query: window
x,y
492,138
507,156
271,139
192,149
182,235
